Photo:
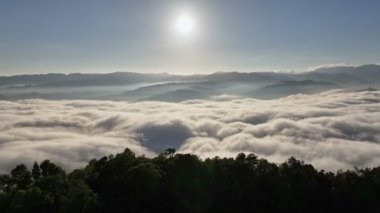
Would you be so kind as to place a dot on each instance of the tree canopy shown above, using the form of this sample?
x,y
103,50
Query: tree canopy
x,y
184,183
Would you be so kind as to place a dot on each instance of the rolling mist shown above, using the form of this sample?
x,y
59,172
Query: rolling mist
x,y
329,117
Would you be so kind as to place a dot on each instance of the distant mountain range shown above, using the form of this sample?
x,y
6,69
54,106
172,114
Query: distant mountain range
x,y
81,80
168,87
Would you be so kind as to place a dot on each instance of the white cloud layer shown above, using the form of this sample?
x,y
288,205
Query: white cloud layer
x,y
332,130
313,68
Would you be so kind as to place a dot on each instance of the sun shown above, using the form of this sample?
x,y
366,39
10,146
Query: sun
x,y
185,25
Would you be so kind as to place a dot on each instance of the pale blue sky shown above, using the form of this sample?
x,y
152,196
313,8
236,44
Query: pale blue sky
x,y
42,36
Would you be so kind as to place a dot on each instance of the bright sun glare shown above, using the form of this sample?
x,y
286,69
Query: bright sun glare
x,y
185,25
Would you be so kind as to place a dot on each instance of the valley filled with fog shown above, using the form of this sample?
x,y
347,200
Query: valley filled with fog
x,y
337,129
329,117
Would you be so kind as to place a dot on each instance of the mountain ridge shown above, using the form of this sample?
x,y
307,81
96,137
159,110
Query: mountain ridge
x,y
160,86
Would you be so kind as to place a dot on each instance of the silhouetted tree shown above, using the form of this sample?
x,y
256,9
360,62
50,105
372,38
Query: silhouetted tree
x,y
169,152
36,171
21,177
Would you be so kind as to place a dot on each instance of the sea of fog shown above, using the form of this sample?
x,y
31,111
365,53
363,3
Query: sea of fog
x,y
331,130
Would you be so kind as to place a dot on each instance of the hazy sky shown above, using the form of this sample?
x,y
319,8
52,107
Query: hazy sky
x,y
43,36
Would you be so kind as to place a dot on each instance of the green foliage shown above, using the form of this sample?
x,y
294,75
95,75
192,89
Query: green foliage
x,y
36,171
21,177
184,183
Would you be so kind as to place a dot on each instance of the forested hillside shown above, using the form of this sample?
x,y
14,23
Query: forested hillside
x,y
184,183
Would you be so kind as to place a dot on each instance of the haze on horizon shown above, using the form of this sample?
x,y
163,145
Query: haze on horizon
x,y
185,37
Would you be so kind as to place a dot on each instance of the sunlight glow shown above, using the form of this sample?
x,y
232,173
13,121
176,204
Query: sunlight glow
x,y
185,25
